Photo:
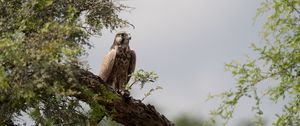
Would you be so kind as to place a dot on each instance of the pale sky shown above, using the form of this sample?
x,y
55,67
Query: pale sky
x,y
187,43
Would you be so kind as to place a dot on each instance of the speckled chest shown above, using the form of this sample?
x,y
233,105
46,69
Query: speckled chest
x,y
121,63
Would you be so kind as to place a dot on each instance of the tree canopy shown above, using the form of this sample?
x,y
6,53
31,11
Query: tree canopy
x,y
41,42
278,63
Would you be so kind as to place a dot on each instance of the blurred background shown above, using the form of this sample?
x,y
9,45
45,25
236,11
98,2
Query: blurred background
x,y
187,43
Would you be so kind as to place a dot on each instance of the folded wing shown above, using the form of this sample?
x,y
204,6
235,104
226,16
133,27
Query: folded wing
x,y
131,64
107,65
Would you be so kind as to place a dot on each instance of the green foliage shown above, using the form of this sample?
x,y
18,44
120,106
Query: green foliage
x,y
278,62
141,77
187,120
248,122
40,43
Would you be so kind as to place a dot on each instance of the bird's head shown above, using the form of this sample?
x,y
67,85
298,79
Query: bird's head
x,y
122,39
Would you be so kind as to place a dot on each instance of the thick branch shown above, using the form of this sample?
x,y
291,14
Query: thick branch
x,y
129,112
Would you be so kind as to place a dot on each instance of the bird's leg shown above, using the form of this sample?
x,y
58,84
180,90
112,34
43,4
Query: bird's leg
x,y
123,91
115,86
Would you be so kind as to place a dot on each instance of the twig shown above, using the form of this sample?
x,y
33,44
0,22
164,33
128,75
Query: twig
x,y
289,4
132,84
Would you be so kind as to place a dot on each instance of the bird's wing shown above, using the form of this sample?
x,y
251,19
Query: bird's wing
x,y
107,64
132,64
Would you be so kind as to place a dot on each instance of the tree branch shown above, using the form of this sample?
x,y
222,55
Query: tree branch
x,y
129,112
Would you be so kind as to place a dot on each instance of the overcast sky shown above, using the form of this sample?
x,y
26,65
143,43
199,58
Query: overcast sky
x,y
187,43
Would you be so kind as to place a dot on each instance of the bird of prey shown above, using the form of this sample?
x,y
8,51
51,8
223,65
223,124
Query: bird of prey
x,y
118,63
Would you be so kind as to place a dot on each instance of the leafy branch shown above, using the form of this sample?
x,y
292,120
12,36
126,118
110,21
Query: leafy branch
x,y
278,62
141,78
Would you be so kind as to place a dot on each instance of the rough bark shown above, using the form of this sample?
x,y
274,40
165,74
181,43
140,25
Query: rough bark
x,y
129,112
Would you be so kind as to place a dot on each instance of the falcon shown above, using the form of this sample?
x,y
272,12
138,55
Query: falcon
x,y
118,63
